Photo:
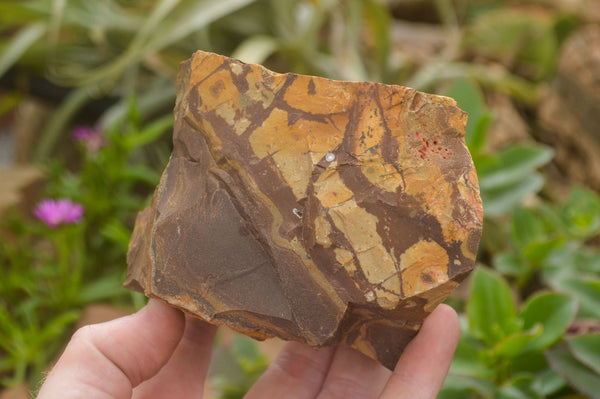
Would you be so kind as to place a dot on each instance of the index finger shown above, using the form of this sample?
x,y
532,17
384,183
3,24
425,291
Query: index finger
x,y
423,367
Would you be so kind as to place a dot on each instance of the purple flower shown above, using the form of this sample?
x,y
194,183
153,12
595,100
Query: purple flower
x,y
91,139
55,212
82,133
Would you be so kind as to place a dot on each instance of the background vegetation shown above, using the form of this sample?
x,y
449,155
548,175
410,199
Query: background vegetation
x,y
531,311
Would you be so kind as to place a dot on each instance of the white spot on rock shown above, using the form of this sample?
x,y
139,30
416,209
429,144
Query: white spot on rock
x,y
236,68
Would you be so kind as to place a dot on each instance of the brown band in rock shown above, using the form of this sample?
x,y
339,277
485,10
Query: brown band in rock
x,y
309,209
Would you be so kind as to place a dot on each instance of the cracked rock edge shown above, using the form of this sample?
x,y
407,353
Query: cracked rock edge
x,y
313,210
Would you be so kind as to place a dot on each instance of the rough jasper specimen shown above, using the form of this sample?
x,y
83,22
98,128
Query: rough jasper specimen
x,y
308,209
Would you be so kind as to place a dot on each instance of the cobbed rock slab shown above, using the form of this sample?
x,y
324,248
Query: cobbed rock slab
x,y
313,210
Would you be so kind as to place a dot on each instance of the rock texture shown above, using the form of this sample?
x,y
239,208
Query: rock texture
x,y
308,209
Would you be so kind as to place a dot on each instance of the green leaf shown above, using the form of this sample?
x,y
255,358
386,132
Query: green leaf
x,y
19,45
6,364
56,327
13,13
152,22
518,38
378,16
547,382
527,228
513,165
586,291
180,24
577,374
538,251
148,134
511,264
467,359
478,137
58,8
586,348
255,49
582,213
451,392
9,101
491,308
245,348
470,99
237,368
501,200
573,259
104,288
226,374
191,19
505,82
554,312
115,231
141,173
8,326
152,101
458,386
550,217
519,387
60,119
514,344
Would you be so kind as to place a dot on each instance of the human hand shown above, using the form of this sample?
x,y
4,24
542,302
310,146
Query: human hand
x,y
160,353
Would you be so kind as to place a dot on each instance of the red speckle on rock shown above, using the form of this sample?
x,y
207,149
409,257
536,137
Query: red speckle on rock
x,y
429,147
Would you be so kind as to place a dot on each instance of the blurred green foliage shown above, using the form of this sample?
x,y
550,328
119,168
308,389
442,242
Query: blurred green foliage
x,y
500,353
51,273
524,331
236,367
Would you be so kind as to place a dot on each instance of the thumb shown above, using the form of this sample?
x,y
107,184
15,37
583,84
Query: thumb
x,y
108,360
